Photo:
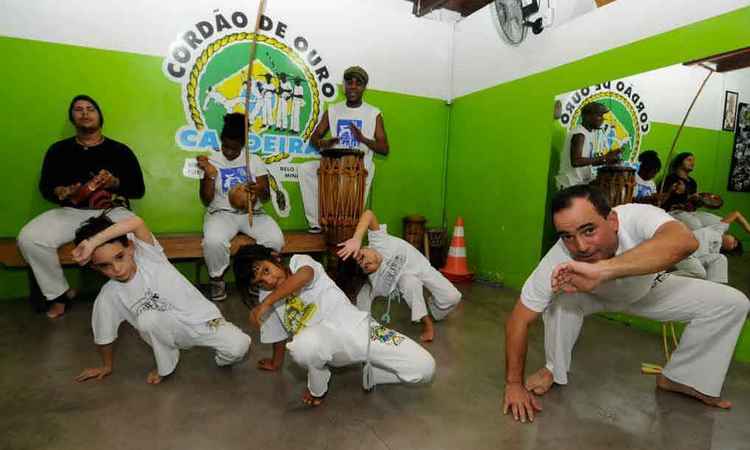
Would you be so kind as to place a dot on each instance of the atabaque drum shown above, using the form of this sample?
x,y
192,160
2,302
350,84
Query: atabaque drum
x,y
341,194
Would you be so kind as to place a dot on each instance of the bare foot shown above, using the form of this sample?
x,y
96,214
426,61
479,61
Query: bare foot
x,y
666,384
267,364
56,310
540,381
428,330
153,377
309,399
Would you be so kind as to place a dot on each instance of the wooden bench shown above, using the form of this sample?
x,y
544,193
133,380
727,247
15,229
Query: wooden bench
x,y
177,247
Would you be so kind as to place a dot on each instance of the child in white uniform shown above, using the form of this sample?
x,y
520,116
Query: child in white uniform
x,y
300,301
151,295
394,263
711,231
221,223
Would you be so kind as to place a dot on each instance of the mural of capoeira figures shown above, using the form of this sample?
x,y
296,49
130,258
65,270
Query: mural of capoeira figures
x,y
277,101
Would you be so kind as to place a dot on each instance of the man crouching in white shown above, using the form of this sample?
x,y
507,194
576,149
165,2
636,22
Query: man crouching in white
x,y
613,260
148,292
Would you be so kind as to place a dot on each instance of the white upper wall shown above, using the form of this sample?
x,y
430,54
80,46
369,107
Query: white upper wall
x,y
400,52
483,60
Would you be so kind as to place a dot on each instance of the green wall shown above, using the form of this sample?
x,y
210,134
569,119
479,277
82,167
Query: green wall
x,y
499,144
503,151
143,109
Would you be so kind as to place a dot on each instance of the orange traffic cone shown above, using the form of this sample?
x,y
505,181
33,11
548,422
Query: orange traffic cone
x,y
456,268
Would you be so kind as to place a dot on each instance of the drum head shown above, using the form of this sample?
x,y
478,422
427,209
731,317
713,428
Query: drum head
x,y
711,201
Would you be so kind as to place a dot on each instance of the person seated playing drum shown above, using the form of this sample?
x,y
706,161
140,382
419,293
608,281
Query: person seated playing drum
x,y
645,187
82,175
581,145
225,172
682,188
393,263
354,124
299,301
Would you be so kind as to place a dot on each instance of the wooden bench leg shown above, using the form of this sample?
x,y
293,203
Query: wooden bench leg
x,y
36,298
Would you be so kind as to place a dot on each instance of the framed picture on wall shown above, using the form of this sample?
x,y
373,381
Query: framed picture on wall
x,y
739,172
730,110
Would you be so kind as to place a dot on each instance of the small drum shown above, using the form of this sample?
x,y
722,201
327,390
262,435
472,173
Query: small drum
x,y
617,183
341,194
710,201
414,229
436,240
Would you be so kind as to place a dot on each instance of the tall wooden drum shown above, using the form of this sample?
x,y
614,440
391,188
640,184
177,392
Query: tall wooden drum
x,y
617,183
341,176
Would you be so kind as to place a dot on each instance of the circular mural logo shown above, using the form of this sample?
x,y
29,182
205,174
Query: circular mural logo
x,y
624,125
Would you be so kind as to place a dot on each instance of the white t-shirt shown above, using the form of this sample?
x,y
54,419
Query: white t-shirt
x,y
572,176
269,90
643,188
399,258
285,89
157,284
637,223
363,117
230,174
321,300
709,239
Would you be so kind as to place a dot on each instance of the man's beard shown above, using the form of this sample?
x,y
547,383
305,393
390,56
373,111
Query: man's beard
x,y
88,130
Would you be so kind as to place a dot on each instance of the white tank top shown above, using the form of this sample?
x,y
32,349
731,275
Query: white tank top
x,y
572,176
364,117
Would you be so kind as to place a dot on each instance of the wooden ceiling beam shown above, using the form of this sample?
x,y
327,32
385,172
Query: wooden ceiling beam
x,y
422,7
715,59
734,63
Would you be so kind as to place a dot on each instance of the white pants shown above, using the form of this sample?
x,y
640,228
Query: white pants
x,y
268,110
39,239
714,313
221,226
282,115
696,219
307,174
257,109
712,267
395,357
166,335
297,104
444,295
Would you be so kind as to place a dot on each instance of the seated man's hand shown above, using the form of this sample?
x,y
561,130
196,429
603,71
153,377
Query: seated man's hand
x,y
520,403
63,192
206,166
97,372
107,180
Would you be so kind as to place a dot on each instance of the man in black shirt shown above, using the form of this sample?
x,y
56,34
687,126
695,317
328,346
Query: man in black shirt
x,y
82,174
